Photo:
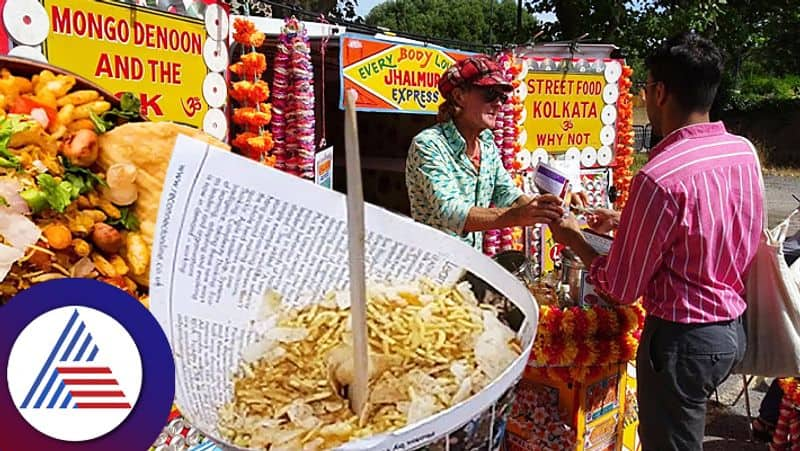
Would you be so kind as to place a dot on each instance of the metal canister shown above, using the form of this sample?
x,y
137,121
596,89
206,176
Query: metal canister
x,y
572,269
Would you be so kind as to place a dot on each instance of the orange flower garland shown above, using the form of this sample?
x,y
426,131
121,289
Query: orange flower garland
x,y
577,343
251,65
246,91
251,93
791,390
506,137
623,157
252,117
245,33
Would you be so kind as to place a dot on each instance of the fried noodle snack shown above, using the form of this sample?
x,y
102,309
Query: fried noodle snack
x,y
431,347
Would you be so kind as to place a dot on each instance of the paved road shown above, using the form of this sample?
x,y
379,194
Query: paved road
x,y
727,426
779,197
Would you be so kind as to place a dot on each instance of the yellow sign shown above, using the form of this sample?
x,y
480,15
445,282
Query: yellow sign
x,y
563,111
394,77
156,55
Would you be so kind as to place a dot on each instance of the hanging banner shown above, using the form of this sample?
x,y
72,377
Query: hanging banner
x,y
391,77
156,55
573,111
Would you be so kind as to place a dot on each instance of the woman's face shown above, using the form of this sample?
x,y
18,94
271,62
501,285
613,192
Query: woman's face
x,y
480,105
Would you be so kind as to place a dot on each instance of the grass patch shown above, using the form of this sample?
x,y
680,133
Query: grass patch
x,y
639,160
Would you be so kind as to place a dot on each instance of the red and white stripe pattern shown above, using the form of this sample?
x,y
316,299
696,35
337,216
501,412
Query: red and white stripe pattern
x,y
92,387
690,230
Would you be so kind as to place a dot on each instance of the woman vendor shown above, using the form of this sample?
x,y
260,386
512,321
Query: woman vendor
x,y
456,181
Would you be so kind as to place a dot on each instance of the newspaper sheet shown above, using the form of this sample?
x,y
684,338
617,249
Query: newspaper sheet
x,y
229,229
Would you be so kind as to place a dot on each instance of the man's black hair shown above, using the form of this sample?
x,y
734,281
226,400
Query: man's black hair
x,y
690,67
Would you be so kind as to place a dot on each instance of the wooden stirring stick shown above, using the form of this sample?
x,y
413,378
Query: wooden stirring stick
x,y
358,391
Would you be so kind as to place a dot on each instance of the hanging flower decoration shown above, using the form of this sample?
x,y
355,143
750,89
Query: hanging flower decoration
x,y
250,66
253,114
245,33
576,343
787,429
293,123
791,389
623,157
253,117
506,137
247,92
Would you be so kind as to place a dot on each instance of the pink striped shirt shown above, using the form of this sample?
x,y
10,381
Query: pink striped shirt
x,y
690,229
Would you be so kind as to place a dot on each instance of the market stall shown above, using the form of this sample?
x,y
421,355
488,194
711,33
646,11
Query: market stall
x,y
570,114
273,88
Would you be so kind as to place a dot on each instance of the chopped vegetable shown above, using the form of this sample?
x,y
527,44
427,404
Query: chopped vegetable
x,y
58,195
127,220
3,202
29,105
35,199
84,179
9,126
129,110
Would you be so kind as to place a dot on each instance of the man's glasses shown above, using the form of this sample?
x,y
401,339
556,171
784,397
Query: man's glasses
x,y
492,94
641,88
643,85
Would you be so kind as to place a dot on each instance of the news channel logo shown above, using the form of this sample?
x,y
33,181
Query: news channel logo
x,y
87,368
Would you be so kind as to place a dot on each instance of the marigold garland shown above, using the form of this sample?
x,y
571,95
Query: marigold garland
x,y
251,117
791,389
623,156
250,66
569,375
248,92
576,343
245,33
251,92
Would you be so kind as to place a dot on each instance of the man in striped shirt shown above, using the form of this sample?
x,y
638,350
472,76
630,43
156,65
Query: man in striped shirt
x,y
684,243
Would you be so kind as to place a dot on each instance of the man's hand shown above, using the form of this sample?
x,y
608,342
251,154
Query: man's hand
x,y
603,220
567,231
579,199
543,209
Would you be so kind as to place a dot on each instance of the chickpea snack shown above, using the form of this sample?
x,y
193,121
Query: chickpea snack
x,y
80,180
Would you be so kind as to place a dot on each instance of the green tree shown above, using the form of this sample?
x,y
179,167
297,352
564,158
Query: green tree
x,y
341,9
487,22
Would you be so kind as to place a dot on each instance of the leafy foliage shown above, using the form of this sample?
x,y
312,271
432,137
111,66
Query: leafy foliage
x,y
474,21
336,9
756,37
